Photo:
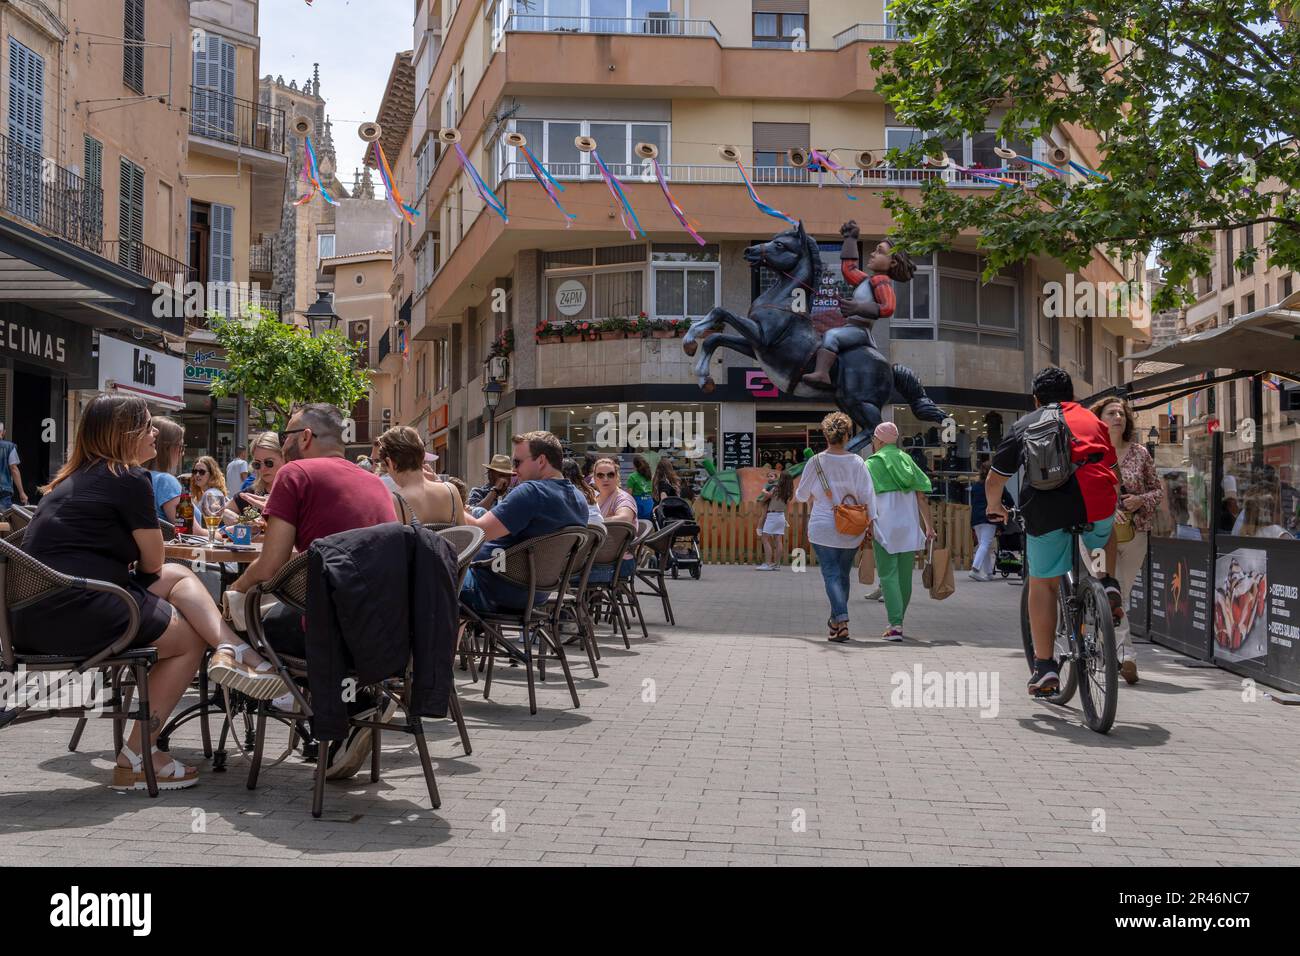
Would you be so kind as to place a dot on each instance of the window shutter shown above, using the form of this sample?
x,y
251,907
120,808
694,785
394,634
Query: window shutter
x,y
226,84
26,131
778,137
93,162
130,210
213,103
221,253
132,53
781,6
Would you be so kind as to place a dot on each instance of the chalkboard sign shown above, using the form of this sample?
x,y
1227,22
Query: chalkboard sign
x,y
737,450
1137,603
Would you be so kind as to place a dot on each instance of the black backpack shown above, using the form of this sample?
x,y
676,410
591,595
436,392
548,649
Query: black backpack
x,y
1045,449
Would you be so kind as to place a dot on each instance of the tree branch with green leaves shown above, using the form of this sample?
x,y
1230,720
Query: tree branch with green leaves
x,y
1162,85
278,367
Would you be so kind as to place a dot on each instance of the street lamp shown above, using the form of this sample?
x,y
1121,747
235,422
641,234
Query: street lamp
x,y
1153,439
492,390
321,317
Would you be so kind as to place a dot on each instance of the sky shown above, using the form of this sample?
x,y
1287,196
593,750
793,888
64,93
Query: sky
x,y
354,42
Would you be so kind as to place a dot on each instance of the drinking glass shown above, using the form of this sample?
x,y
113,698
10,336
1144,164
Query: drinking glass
x,y
212,506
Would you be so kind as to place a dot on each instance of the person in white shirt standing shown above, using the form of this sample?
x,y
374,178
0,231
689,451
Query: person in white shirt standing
x,y
237,470
845,477
900,520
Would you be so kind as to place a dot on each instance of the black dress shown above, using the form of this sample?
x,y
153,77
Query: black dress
x,y
84,528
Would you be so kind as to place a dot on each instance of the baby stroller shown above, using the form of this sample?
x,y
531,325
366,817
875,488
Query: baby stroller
x,y
684,551
1011,549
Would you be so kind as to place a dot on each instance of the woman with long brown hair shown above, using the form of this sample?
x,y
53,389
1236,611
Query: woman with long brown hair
x,y
667,484
98,518
1140,495
776,495
169,447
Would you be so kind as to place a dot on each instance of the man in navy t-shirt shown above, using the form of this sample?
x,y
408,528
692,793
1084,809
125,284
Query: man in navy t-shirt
x,y
543,502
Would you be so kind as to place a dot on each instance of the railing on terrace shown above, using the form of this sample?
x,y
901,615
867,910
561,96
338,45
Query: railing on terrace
x,y
384,346
261,257
148,261
237,121
50,197
772,175
667,25
870,31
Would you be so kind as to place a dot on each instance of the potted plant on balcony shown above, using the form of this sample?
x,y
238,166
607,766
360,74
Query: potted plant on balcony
x,y
662,329
570,332
503,344
612,329
546,332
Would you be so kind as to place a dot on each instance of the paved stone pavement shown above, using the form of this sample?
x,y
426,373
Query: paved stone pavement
x,y
762,744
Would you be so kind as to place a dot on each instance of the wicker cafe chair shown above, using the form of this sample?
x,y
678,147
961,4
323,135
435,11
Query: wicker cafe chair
x,y
574,601
657,545
538,565
19,516
608,595
24,581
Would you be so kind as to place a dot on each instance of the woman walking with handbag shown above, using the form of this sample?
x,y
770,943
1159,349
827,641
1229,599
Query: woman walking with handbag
x,y
900,521
1140,494
836,481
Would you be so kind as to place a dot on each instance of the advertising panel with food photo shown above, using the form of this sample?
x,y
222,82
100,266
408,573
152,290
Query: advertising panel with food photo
x,y
1241,605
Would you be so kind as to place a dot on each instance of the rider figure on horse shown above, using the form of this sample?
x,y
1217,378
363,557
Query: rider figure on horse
x,y
873,298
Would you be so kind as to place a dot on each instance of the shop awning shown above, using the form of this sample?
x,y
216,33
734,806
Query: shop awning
x,y
1267,340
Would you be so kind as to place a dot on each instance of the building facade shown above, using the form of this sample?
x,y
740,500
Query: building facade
x,y
468,284
93,202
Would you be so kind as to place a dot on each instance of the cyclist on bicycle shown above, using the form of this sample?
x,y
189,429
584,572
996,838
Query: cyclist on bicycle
x,y
1088,495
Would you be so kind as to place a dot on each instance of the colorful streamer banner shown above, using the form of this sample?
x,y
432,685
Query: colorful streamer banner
x,y
399,208
682,218
547,182
1057,170
626,214
984,175
824,162
1089,172
311,176
486,194
762,206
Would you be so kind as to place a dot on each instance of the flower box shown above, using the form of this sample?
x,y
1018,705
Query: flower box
x,y
664,333
571,337
609,336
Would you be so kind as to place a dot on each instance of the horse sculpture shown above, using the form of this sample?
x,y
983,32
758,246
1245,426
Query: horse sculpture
x,y
784,342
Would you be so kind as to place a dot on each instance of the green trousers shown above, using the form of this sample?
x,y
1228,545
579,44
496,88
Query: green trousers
x,y
895,572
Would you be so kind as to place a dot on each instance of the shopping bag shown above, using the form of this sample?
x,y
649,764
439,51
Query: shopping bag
x,y
937,578
867,566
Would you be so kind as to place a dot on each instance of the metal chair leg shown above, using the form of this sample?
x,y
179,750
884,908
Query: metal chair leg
x,y
564,665
205,727
458,715
146,743
422,745
255,765
318,788
80,728
375,743
528,660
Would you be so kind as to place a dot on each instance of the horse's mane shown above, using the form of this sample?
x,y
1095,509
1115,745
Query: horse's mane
x,y
814,256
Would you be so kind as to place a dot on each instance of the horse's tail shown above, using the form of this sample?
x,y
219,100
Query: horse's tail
x,y
909,386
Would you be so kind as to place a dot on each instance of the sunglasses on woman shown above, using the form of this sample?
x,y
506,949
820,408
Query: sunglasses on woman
x,y
606,474
255,464
199,471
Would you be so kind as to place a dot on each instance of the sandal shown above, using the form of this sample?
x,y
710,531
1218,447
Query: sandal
x,y
839,632
893,633
173,776
228,669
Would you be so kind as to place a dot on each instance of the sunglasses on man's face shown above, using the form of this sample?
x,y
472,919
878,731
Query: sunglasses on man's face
x,y
519,461
268,463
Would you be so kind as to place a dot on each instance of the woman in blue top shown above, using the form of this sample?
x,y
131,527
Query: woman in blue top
x,y
166,486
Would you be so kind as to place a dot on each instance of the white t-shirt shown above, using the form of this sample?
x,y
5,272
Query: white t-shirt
x,y
235,472
847,475
896,520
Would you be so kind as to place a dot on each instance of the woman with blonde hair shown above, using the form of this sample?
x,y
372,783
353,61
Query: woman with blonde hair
x,y
832,477
1140,494
264,460
98,519
401,451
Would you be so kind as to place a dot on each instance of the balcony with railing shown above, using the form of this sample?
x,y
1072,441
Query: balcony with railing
x,y
148,261
655,25
722,174
44,194
235,121
261,257
878,32
234,300
383,348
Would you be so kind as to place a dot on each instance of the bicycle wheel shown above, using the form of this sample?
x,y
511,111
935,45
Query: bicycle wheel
x,y
1098,662
1065,667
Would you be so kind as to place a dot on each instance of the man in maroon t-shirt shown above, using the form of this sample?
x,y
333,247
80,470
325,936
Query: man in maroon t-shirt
x,y
317,493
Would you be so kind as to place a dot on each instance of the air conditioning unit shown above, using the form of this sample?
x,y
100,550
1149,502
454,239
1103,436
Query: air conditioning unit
x,y
1290,397
386,416
660,23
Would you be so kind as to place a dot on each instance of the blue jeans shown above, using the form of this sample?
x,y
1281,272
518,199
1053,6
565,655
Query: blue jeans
x,y
836,565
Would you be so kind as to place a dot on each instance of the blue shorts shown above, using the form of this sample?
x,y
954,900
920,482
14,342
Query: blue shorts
x,y
1049,554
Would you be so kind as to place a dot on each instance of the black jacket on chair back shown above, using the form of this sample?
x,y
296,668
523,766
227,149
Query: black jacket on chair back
x,y
377,598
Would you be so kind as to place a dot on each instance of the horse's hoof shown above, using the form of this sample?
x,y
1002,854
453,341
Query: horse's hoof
x,y
690,347
709,385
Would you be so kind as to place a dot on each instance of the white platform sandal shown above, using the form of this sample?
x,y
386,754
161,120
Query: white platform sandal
x,y
173,776
228,669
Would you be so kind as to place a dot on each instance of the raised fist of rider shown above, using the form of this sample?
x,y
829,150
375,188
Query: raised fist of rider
x,y
849,230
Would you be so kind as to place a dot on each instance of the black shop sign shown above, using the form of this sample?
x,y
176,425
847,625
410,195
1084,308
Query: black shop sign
x,y
48,341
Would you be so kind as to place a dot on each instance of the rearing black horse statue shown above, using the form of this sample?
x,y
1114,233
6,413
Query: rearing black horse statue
x,y
784,342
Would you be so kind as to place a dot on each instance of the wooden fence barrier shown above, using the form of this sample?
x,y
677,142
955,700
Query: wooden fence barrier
x,y
729,533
